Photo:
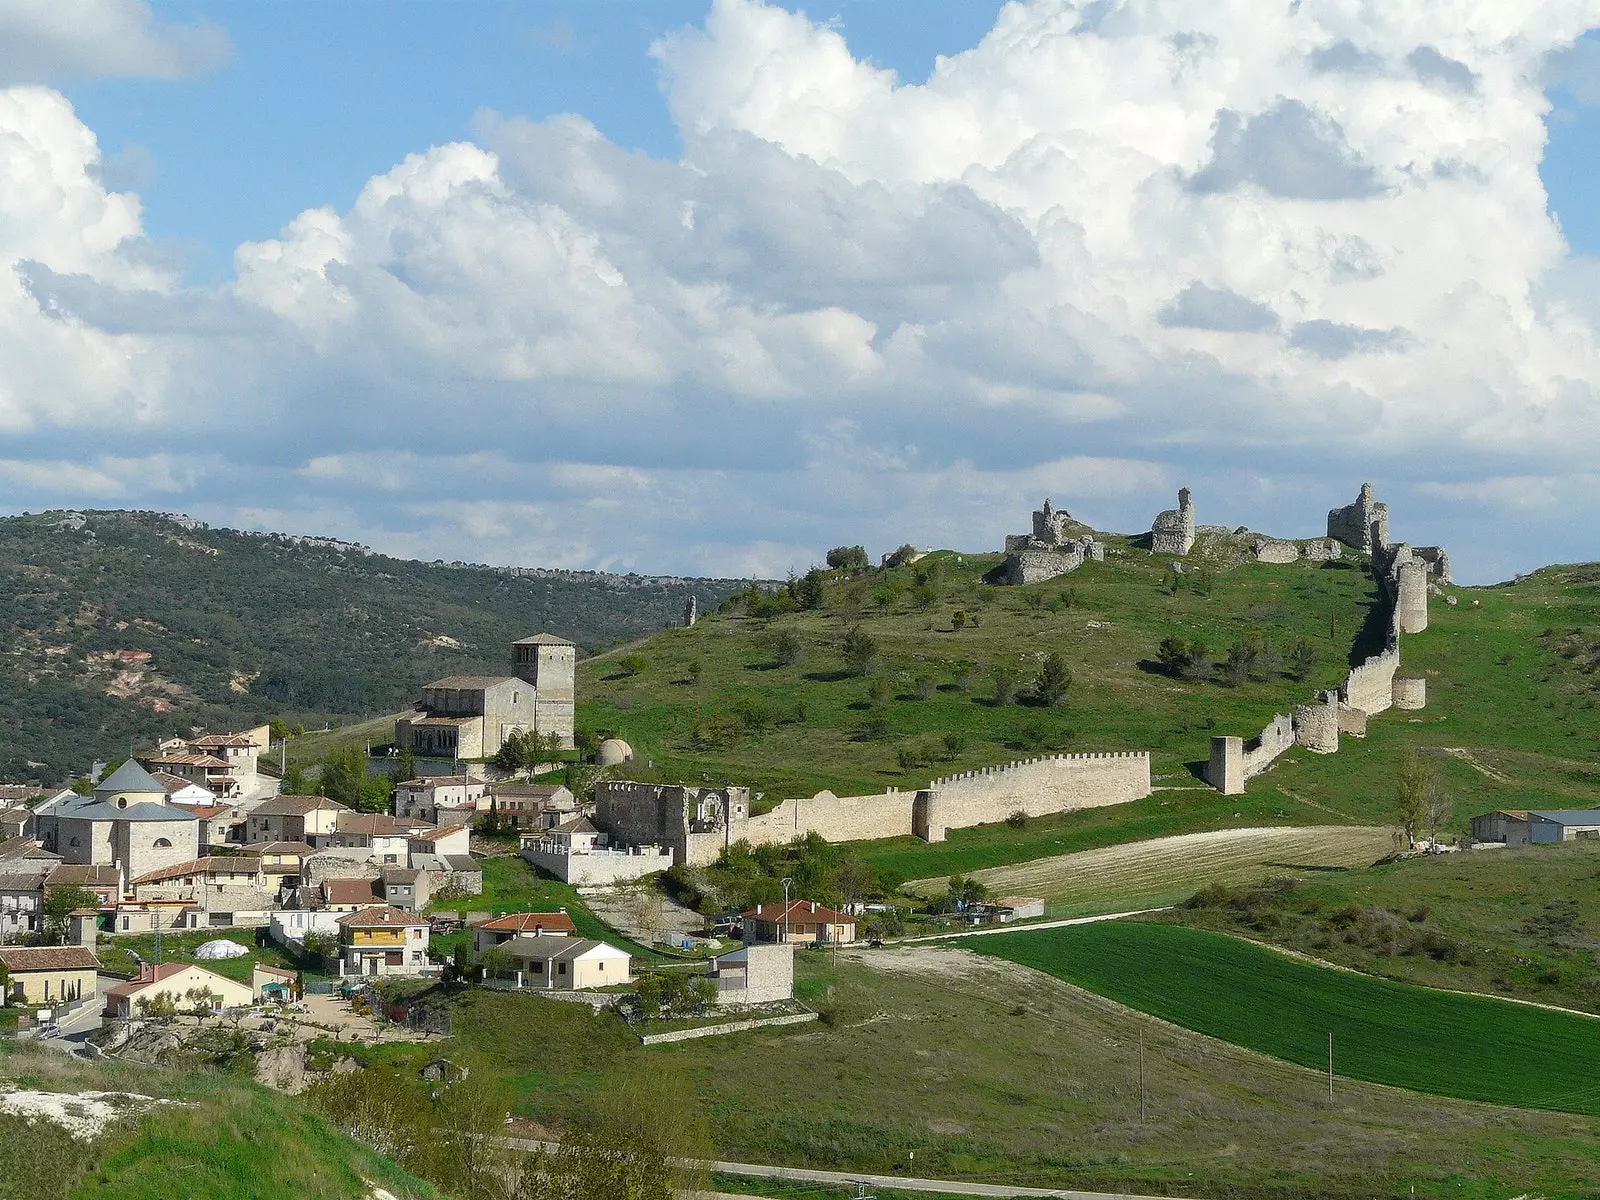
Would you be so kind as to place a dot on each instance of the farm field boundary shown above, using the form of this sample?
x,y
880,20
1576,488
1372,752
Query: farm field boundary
x,y
1384,1032
1163,871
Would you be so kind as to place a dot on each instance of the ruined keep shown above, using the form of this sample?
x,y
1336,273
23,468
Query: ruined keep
x,y
1364,525
1173,530
1051,549
691,612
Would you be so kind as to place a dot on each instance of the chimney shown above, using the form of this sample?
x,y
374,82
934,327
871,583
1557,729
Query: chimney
x,y
813,906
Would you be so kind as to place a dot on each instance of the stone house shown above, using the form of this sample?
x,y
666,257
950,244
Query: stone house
x,y
564,963
760,973
182,791
348,895
100,879
447,839
203,770
309,819
387,838
531,806
800,921
281,862
440,798
176,981
469,717
382,941
16,822
49,975
406,887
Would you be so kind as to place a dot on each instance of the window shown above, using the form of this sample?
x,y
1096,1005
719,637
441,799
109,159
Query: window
x,y
561,968
163,844
73,842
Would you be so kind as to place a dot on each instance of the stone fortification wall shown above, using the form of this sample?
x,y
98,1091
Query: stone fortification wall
x,y
1061,783
836,818
1370,687
1234,761
1410,692
1316,726
598,868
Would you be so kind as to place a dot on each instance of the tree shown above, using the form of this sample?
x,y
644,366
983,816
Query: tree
x,y
1053,680
511,756
848,558
860,650
496,963
1416,794
808,591
632,664
1302,660
1004,678
696,669
461,961
1236,667
406,764
1268,663
787,648
343,773
59,903
1436,811
278,730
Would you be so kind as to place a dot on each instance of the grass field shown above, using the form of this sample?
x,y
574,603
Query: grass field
x,y
224,1139
1521,921
1168,870
988,1071
1384,1032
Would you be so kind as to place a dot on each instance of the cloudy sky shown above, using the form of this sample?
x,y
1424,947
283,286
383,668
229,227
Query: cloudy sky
x,y
710,287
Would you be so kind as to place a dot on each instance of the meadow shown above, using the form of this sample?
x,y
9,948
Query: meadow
x,y
1470,1047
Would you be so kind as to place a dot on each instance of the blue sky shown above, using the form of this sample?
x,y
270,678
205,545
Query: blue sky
x,y
320,96
780,282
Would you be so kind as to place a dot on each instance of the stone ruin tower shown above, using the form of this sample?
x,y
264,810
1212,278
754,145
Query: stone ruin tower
x,y
1364,525
1173,530
1051,549
691,612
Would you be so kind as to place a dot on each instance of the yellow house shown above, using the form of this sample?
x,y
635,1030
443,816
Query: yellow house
x,y
382,941
179,982
48,975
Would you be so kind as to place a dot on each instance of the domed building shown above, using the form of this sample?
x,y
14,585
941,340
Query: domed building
x,y
613,752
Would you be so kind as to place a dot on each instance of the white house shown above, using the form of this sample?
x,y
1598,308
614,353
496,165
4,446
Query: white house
x,y
176,981
440,798
563,963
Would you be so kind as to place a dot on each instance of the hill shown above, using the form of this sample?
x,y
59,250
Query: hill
x,y
755,694
206,1133
121,626
763,695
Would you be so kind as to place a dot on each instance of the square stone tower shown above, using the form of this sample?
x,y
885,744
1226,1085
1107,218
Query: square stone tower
x,y
550,664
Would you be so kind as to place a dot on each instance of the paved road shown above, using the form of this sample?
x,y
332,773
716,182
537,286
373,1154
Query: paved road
x,y
1028,928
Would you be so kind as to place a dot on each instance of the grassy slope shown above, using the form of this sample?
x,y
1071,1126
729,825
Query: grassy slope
x,y
1169,870
179,947
225,1139
1115,705
993,1073
1384,1032
1528,919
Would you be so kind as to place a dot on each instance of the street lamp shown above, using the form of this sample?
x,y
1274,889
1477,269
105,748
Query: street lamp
x,y
787,884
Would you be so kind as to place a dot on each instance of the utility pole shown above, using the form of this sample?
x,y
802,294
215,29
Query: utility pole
x,y
1330,1066
1141,1076
787,884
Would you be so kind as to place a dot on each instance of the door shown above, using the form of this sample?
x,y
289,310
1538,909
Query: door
x,y
372,965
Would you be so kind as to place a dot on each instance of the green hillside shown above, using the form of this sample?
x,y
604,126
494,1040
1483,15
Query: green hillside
x,y
1511,718
119,626
214,1135
776,704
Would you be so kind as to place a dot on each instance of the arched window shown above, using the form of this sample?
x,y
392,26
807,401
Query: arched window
x,y
163,844
73,842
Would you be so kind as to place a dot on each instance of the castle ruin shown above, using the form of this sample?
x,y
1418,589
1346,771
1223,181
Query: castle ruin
x,y
1053,548
1364,525
1173,530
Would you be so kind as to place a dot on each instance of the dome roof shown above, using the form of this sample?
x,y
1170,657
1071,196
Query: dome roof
x,y
132,778
612,752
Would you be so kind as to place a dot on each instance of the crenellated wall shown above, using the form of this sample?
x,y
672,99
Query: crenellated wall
x,y
1058,783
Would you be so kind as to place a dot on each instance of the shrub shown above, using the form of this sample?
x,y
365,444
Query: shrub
x,y
874,729
958,619
632,664
1053,680
924,687
860,650
954,743
787,648
1018,820
1004,678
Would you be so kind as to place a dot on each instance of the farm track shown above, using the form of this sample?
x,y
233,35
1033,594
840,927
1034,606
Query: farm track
x,y
1146,874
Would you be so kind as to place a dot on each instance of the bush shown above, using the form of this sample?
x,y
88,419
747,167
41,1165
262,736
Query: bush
x,y
954,743
1018,820
632,664
1053,680
787,648
860,650
848,558
1004,678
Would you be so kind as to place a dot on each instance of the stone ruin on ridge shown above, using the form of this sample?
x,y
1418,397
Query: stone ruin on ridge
x,y
1173,530
1053,548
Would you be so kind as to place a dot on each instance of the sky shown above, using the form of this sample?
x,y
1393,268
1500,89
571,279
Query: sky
x,y
707,288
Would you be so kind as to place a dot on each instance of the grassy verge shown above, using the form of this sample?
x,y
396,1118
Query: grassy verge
x,y
1385,1032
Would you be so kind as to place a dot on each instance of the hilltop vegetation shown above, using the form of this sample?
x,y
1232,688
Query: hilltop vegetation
x,y
121,626
893,676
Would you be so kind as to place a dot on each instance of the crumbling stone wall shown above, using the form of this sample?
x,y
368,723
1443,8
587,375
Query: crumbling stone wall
x,y
1410,692
1173,530
1053,548
1364,525
1059,783
1316,726
1234,761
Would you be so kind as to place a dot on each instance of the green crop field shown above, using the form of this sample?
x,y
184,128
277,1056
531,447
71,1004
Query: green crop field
x,y
1471,1047
1522,921
1168,870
